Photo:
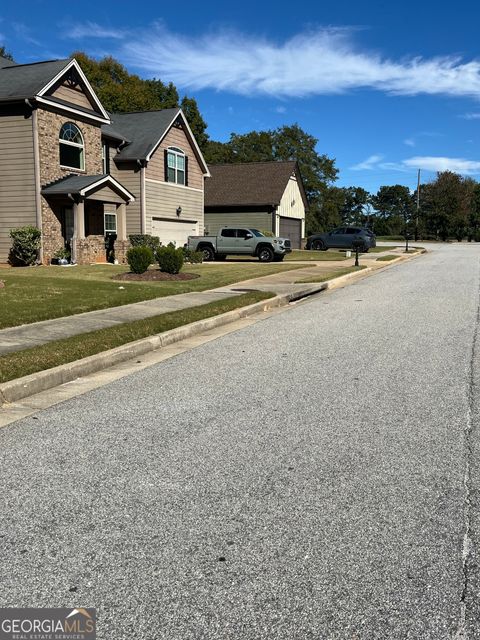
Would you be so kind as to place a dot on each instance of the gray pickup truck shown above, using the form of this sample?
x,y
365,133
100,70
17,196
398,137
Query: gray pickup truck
x,y
240,241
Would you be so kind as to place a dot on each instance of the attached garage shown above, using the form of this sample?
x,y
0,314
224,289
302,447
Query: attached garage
x,y
176,231
291,228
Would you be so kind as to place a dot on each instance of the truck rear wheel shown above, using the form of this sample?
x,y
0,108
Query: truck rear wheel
x,y
208,252
265,254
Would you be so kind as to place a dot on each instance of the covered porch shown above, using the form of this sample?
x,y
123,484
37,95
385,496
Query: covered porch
x,y
91,220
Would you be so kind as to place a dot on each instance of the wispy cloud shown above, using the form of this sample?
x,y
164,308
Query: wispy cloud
x,y
24,32
370,163
471,116
93,30
281,109
410,142
432,163
324,61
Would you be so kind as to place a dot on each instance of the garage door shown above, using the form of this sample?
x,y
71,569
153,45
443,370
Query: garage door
x,y
291,228
176,231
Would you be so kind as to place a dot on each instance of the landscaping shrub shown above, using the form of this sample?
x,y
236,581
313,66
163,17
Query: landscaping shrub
x,y
194,257
170,260
139,258
145,240
25,246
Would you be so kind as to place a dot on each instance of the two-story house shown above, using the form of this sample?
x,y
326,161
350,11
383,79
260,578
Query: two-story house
x,y
78,173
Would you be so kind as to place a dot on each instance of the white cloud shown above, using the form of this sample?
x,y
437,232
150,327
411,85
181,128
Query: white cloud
x,y
410,142
281,109
432,163
94,30
471,116
370,163
325,61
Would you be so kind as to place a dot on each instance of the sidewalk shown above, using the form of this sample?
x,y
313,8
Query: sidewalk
x,y
32,335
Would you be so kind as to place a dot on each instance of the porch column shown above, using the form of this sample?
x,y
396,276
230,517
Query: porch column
x,y
122,221
78,227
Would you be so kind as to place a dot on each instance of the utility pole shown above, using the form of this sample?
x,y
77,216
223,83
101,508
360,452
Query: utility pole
x,y
418,206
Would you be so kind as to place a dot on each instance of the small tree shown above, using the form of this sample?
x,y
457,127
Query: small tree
x,y
25,246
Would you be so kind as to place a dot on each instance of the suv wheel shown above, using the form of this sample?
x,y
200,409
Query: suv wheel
x,y
265,254
319,245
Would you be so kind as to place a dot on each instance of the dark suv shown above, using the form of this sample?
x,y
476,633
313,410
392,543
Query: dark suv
x,y
342,238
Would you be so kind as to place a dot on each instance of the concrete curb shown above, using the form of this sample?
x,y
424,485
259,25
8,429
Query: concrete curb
x,y
43,380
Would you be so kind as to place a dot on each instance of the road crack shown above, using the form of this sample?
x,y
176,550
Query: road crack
x,y
462,632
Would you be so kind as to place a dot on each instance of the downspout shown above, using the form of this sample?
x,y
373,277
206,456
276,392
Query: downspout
x,y
274,220
143,203
36,170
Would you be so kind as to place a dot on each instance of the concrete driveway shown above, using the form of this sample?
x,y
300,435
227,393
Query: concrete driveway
x,y
313,476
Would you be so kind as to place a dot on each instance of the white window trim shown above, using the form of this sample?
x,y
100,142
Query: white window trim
x,y
177,153
110,213
74,144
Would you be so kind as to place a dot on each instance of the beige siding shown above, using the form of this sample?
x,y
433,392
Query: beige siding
x,y
163,199
74,96
291,205
106,195
17,178
255,219
156,166
130,179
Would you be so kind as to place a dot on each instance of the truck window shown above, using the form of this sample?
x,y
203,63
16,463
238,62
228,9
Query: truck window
x,y
257,233
242,233
228,233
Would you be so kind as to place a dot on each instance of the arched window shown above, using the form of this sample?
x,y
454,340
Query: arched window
x,y
71,147
175,165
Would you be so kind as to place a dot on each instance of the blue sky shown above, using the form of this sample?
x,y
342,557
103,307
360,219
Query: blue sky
x,y
387,88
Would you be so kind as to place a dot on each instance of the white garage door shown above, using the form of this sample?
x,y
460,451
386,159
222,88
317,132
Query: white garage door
x,y
176,231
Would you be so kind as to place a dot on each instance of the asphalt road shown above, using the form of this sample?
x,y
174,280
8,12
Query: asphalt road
x,y
314,476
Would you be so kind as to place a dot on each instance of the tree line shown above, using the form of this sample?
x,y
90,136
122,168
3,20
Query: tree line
x,y
449,206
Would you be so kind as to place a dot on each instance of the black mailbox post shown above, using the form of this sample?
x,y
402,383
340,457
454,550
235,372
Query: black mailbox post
x,y
357,244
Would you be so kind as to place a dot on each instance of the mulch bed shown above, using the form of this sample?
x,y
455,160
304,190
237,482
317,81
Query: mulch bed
x,y
153,274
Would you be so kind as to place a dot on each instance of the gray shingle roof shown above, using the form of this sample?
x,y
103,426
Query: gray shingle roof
x,y
71,184
144,129
21,81
252,183
76,184
5,62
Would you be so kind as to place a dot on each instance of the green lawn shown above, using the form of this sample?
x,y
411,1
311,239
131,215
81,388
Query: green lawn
x,y
315,256
328,275
22,363
298,255
380,249
40,293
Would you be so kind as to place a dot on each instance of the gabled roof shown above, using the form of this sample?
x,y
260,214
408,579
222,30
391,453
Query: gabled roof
x,y
83,185
146,130
20,81
252,183
34,81
143,128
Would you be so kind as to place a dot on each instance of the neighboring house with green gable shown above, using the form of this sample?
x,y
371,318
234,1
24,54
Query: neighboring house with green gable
x,y
79,173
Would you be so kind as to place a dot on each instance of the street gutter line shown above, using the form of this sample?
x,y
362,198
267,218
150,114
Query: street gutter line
x,y
462,632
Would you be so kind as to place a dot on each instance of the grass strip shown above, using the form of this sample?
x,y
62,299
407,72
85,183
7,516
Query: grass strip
x,y
328,275
23,363
387,258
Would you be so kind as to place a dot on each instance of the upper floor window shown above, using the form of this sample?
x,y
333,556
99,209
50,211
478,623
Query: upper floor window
x,y
176,163
71,147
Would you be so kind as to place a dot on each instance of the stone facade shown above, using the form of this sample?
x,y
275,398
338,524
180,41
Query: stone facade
x,y
49,125
92,250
